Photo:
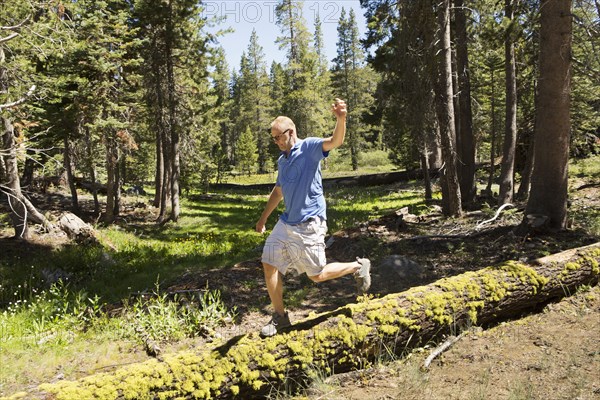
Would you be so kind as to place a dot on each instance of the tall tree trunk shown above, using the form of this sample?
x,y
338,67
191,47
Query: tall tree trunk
x,y
434,141
68,165
465,138
92,169
12,185
451,203
111,178
507,171
523,192
174,124
166,182
156,103
28,169
549,181
488,188
425,169
529,140
160,168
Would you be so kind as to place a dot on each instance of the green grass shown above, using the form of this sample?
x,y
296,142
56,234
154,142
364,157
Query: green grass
x,y
589,167
336,165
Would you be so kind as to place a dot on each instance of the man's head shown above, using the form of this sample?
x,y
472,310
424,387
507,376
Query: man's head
x,y
283,133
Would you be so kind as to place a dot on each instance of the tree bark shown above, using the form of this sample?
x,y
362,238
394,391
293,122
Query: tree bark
x,y
91,168
451,203
507,170
12,186
68,165
488,188
549,181
523,192
348,338
425,169
465,138
174,123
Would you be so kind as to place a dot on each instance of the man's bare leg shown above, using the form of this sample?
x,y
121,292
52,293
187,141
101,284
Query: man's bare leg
x,y
274,282
336,270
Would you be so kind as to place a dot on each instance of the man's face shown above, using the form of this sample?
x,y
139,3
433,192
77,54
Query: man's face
x,y
282,138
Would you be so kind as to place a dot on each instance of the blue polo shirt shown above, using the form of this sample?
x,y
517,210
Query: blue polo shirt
x,y
299,176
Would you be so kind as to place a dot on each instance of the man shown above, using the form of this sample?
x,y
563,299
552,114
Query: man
x,y
297,241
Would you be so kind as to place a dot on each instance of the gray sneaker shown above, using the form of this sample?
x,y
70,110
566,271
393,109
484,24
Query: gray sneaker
x,y
363,275
276,323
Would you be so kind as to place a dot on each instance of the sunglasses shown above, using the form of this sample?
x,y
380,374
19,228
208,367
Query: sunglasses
x,y
276,138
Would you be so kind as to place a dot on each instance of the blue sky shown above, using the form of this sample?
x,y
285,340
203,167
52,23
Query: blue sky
x,y
245,15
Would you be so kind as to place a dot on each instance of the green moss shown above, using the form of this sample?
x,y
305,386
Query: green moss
x,y
590,259
571,266
494,288
525,274
235,390
389,329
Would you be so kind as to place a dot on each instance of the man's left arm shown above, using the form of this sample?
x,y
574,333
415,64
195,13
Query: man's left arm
x,y
339,132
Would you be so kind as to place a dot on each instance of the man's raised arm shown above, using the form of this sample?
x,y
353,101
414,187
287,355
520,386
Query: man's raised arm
x,y
339,132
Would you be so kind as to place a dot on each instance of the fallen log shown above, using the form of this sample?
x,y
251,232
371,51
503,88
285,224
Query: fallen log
x,y
348,338
358,180
77,230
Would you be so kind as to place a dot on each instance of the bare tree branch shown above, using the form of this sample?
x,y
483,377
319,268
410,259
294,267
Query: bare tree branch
x,y
20,101
9,37
15,27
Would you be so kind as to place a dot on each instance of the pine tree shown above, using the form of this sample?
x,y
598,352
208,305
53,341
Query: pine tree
x,y
549,184
401,35
302,103
106,59
247,152
26,29
175,74
254,101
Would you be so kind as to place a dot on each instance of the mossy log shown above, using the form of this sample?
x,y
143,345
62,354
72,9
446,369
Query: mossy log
x,y
348,338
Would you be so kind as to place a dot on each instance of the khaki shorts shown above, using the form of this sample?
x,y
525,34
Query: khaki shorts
x,y
297,248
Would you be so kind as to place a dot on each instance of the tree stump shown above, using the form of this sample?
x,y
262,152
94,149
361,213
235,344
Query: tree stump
x,y
348,338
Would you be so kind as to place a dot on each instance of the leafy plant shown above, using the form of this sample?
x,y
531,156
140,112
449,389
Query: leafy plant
x,y
165,318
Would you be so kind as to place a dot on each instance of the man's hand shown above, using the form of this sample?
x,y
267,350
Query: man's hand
x,y
339,108
260,227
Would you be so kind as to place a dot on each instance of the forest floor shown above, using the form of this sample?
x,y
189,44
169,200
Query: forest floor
x,y
551,353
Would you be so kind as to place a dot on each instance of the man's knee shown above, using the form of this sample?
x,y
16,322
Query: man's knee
x,y
268,268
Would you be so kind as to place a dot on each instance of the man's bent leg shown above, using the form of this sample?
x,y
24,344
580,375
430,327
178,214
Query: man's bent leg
x,y
274,282
336,270
361,268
